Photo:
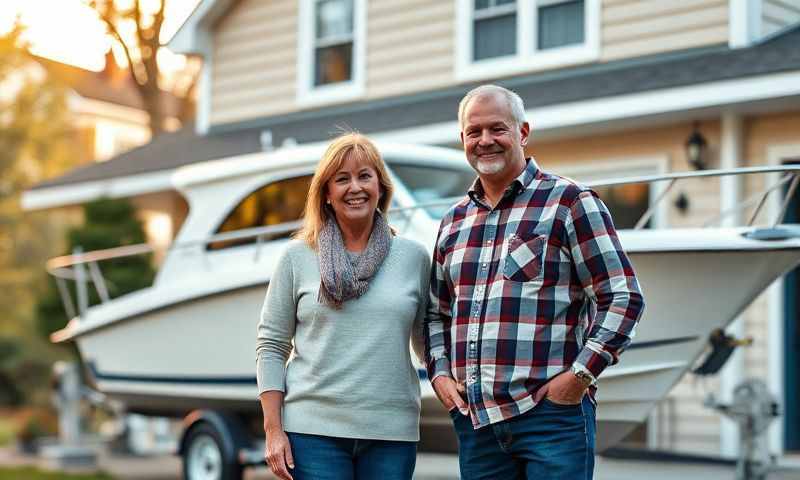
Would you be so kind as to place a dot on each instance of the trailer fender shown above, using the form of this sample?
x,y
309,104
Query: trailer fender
x,y
229,427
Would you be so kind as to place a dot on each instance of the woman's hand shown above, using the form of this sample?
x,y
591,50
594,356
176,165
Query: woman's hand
x,y
278,453
277,450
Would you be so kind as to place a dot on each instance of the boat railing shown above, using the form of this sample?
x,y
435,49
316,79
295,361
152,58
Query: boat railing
x,y
83,267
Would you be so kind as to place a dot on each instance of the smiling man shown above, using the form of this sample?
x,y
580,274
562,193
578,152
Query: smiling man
x,y
532,297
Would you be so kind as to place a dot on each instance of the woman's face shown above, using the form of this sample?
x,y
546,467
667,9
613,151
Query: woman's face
x,y
353,192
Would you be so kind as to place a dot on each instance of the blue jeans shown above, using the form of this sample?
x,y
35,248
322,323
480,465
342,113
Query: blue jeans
x,y
548,442
317,457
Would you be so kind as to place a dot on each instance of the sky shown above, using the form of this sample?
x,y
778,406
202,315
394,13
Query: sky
x,y
70,32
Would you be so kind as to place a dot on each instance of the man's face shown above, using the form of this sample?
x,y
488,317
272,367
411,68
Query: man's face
x,y
493,142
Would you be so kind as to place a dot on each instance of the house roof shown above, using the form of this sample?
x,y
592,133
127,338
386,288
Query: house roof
x,y
699,66
166,152
112,85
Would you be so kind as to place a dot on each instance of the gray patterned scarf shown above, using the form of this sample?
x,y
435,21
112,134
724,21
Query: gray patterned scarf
x,y
341,279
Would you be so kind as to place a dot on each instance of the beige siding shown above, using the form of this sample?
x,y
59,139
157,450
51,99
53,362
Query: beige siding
x,y
643,27
409,46
777,14
254,64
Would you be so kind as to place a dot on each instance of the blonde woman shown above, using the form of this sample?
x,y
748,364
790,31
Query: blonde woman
x,y
346,296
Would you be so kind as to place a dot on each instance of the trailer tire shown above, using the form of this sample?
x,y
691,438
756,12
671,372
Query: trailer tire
x,y
204,456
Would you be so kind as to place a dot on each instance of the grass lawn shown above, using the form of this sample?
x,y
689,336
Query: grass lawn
x,y
31,473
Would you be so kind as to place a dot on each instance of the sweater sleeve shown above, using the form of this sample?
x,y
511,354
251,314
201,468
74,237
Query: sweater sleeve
x,y
418,332
276,327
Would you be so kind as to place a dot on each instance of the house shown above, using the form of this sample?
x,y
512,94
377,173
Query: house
x,y
612,87
107,114
106,107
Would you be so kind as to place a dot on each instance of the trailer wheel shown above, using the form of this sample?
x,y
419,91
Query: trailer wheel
x,y
204,456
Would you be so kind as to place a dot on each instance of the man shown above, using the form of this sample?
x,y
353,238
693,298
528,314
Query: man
x,y
531,298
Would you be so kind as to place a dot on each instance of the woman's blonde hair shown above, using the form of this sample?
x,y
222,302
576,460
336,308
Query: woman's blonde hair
x,y
342,148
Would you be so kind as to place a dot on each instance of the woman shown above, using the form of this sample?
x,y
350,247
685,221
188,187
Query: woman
x,y
346,295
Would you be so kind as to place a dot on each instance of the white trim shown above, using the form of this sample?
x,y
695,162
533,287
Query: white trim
x,y
100,108
733,373
205,93
188,39
195,37
527,58
73,194
308,95
776,354
625,107
744,22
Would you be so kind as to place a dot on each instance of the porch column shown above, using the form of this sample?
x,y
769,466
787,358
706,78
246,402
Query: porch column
x,y
730,156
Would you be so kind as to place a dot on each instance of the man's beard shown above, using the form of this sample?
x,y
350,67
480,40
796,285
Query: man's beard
x,y
490,167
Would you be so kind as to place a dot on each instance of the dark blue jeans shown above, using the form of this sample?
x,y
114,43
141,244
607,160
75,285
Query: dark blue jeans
x,y
317,457
548,442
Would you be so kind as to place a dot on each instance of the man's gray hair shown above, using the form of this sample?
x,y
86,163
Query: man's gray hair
x,y
514,102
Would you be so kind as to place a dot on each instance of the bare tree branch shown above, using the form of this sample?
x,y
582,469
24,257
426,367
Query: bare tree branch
x,y
141,52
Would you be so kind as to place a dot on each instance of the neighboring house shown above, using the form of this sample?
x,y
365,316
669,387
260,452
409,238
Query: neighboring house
x,y
106,107
613,88
107,112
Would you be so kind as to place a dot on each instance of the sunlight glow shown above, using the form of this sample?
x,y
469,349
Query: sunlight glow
x,y
69,31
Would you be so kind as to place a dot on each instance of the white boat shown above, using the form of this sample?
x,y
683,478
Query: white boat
x,y
187,342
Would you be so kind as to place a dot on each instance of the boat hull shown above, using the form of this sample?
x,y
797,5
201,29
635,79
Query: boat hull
x,y
200,353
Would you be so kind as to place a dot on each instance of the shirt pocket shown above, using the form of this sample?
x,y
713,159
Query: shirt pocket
x,y
524,258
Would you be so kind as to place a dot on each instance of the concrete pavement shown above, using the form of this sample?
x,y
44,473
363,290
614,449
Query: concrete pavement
x,y
429,467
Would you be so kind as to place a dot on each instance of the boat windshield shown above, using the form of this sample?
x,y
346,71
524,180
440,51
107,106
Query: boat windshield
x,y
428,183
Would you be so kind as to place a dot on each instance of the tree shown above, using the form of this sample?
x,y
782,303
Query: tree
x,y
141,52
108,223
36,141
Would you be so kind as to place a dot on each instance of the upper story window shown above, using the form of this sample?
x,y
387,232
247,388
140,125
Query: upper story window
x,y
331,47
273,204
333,42
506,37
494,29
560,24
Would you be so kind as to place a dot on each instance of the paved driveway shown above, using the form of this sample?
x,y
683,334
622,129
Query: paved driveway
x,y
429,467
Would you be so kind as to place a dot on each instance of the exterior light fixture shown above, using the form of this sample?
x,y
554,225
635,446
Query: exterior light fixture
x,y
697,149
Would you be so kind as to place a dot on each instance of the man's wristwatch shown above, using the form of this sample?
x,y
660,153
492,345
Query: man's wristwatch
x,y
582,375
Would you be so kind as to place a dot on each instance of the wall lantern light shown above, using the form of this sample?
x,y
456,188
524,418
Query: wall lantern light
x,y
697,149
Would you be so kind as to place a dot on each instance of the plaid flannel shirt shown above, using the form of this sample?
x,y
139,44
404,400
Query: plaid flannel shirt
x,y
521,292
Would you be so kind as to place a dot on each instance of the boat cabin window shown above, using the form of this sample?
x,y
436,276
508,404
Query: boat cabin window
x,y
273,204
427,183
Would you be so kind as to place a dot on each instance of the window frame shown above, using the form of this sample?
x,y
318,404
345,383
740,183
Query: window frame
x,y
307,93
527,58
